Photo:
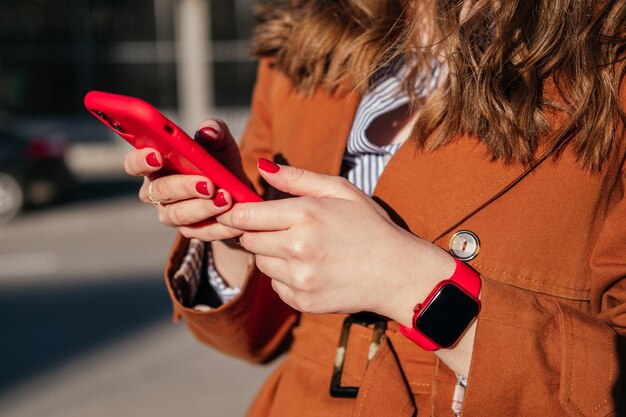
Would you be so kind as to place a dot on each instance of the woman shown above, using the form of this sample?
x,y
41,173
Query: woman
x,y
500,128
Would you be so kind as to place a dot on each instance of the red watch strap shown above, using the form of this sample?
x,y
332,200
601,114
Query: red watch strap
x,y
466,278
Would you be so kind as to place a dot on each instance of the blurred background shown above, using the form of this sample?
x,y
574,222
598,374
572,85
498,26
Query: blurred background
x,y
85,321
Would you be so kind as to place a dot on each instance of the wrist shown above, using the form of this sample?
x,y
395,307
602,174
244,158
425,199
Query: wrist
x,y
231,261
424,266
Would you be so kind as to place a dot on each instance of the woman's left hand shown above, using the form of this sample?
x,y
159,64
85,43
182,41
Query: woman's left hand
x,y
334,249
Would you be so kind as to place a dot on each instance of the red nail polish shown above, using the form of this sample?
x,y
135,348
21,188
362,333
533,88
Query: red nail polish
x,y
207,134
220,200
268,166
202,187
152,160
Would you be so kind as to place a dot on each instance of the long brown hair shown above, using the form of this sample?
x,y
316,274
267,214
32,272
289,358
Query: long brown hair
x,y
500,55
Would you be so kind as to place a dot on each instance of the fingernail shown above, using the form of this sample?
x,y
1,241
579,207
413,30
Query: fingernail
x,y
152,160
202,187
220,200
268,166
207,134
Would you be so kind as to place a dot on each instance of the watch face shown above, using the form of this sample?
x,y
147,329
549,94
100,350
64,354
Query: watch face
x,y
447,316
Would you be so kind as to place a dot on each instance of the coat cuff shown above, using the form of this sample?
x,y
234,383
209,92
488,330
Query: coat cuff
x,y
197,283
252,326
537,355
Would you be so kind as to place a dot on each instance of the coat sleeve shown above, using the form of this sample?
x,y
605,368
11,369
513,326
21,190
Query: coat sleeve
x,y
256,323
555,359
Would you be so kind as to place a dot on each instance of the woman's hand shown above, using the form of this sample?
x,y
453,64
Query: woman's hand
x,y
334,249
189,202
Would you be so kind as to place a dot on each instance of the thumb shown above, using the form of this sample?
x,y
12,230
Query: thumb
x,y
300,182
215,138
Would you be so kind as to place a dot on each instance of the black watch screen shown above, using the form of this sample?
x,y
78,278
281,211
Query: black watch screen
x,y
447,316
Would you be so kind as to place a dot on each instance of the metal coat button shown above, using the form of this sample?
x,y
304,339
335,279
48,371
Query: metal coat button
x,y
464,245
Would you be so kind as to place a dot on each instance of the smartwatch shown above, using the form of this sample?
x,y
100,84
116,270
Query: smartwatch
x,y
448,311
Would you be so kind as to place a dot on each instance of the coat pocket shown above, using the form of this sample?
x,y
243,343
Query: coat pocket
x,y
590,376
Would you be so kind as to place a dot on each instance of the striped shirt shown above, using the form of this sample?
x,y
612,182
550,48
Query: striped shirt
x,y
364,161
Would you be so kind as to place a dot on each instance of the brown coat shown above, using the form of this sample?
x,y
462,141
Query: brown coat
x,y
552,260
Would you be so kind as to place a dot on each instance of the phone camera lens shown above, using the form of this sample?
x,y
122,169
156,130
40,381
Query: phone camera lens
x,y
101,115
117,126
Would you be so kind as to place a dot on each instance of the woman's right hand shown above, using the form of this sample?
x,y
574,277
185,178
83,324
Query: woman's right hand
x,y
190,202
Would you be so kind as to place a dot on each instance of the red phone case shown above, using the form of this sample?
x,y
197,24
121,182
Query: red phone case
x,y
141,125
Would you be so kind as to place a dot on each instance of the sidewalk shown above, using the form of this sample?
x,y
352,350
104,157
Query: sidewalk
x,y
159,372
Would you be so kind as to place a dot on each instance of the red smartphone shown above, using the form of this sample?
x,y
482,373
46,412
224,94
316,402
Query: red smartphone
x,y
143,126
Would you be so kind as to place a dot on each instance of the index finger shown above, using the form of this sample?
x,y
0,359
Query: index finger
x,y
142,162
266,215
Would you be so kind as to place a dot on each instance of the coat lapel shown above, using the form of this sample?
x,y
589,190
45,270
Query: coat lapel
x,y
432,191
313,132
429,191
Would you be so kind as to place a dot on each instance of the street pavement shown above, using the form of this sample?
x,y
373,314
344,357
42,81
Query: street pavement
x,y
85,321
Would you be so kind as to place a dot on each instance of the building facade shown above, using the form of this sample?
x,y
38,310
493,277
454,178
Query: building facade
x,y
53,51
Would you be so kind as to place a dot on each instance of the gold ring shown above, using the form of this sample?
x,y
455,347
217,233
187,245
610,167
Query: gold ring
x,y
151,198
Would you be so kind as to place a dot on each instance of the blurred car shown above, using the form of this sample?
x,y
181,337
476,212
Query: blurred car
x,y
33,171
